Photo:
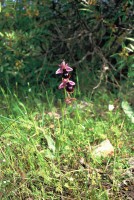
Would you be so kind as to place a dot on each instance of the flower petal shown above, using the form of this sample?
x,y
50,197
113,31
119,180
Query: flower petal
x,y
71,82
68,69
63,65
62,85
65,81
59,71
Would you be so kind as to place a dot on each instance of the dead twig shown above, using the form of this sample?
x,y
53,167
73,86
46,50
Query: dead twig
x,y
83,58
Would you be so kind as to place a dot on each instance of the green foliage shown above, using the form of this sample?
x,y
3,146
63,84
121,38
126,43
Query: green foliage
x,y
93,36
41,144
41,149
128,110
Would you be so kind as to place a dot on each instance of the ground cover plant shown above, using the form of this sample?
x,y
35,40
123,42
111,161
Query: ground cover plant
x,y
45,148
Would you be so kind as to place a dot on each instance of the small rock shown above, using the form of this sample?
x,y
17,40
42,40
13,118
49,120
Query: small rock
x,y
104,149
131,162
110,107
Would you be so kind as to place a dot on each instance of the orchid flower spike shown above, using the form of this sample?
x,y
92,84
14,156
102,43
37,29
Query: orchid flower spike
x,y
63,68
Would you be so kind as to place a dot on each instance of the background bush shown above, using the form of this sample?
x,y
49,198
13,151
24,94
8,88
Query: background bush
x,y
93,36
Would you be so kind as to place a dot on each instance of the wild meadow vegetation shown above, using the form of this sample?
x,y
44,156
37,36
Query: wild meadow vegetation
x,y
53,114
42,145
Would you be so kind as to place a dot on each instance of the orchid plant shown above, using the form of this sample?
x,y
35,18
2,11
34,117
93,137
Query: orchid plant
x,y
66,83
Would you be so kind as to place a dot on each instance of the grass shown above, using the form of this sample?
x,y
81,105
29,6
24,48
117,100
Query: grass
x,y
42,145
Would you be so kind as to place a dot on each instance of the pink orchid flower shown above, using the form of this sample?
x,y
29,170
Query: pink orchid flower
x,y
65,83
63,67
